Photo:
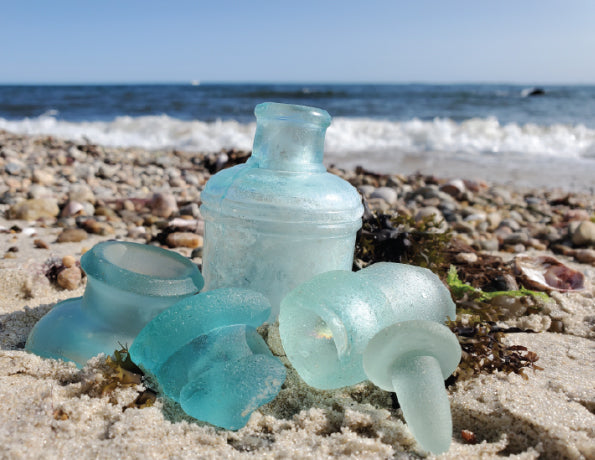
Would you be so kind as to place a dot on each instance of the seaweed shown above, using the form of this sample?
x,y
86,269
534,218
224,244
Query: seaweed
x,y
483,350
402,239
124,373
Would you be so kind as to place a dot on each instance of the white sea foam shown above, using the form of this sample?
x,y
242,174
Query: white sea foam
x,y
346,136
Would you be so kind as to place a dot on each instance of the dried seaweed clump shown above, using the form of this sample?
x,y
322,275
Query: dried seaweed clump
x,y
122,372
402,239
485,352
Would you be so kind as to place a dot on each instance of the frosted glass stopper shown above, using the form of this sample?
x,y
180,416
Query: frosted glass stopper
x,y
413,358
326,322
127,285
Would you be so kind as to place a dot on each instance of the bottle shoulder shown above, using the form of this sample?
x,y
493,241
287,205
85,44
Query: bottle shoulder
x,y
313,193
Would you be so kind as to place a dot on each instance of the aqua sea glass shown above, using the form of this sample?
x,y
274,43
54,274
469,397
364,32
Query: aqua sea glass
x,y
326,323
230,391
279,219
413,358
193,317
204,352
127,285
228,343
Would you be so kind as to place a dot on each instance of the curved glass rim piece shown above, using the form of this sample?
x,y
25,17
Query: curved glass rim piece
x,y
121,264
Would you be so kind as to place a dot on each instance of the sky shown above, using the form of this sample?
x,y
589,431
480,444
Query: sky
x,y
388,41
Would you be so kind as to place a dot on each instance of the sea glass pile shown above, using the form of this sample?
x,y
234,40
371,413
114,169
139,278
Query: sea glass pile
x,y
279,242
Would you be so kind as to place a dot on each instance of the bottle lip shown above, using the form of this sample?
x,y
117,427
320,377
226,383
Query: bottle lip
x,y
142,269
292,112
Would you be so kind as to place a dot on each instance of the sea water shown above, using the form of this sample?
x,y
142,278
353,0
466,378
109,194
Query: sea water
x,y
386,128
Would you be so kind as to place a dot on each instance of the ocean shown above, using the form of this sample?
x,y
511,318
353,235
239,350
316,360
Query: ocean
x,y
387,128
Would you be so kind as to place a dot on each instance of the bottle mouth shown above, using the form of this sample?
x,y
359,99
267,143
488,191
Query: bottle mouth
x,y
142,269
292,112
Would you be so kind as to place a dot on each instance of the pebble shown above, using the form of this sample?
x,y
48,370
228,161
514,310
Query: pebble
x,y
191,209
466,257
184,240
41,244
72,235
69,278
585,256
163,204
454,188
490,244
516,238
39,191
388,194
14,167
43,177
584,234
427,211
68,261
98,228
80,193
72,208
34,209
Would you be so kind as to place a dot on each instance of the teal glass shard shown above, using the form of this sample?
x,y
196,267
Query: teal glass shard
x,y
230,391
192,317
228,343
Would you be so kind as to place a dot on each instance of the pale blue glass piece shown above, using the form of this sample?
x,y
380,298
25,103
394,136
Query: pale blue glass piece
x,y
417,292
193,317
230,391
326,323
228,343
127,285
279,219
413,358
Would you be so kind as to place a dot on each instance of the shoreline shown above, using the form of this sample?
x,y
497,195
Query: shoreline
x,y
53,410
524,173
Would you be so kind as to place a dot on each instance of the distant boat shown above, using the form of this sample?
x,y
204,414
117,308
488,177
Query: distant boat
x,y
195,82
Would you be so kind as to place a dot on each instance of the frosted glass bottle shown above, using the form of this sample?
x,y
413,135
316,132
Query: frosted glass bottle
x,y
281,218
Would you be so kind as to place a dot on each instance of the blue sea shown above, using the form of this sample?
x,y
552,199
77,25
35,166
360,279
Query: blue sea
x,y
373,125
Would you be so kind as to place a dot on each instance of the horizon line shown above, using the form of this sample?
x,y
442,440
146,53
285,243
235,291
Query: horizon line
x,y
294,82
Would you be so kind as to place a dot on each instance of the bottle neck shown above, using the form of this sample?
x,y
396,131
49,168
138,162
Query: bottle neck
x,y
289,137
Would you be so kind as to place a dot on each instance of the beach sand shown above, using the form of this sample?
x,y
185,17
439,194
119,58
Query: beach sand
x,y
51,409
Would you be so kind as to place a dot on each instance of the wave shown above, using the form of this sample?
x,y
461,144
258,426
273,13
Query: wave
x,y
474,136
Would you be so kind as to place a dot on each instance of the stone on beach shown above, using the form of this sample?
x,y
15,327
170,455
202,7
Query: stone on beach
x,y
164,204
69,278
34,209
184,240
584,234
72,235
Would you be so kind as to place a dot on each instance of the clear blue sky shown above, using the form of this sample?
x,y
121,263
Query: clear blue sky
x,y
71,41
